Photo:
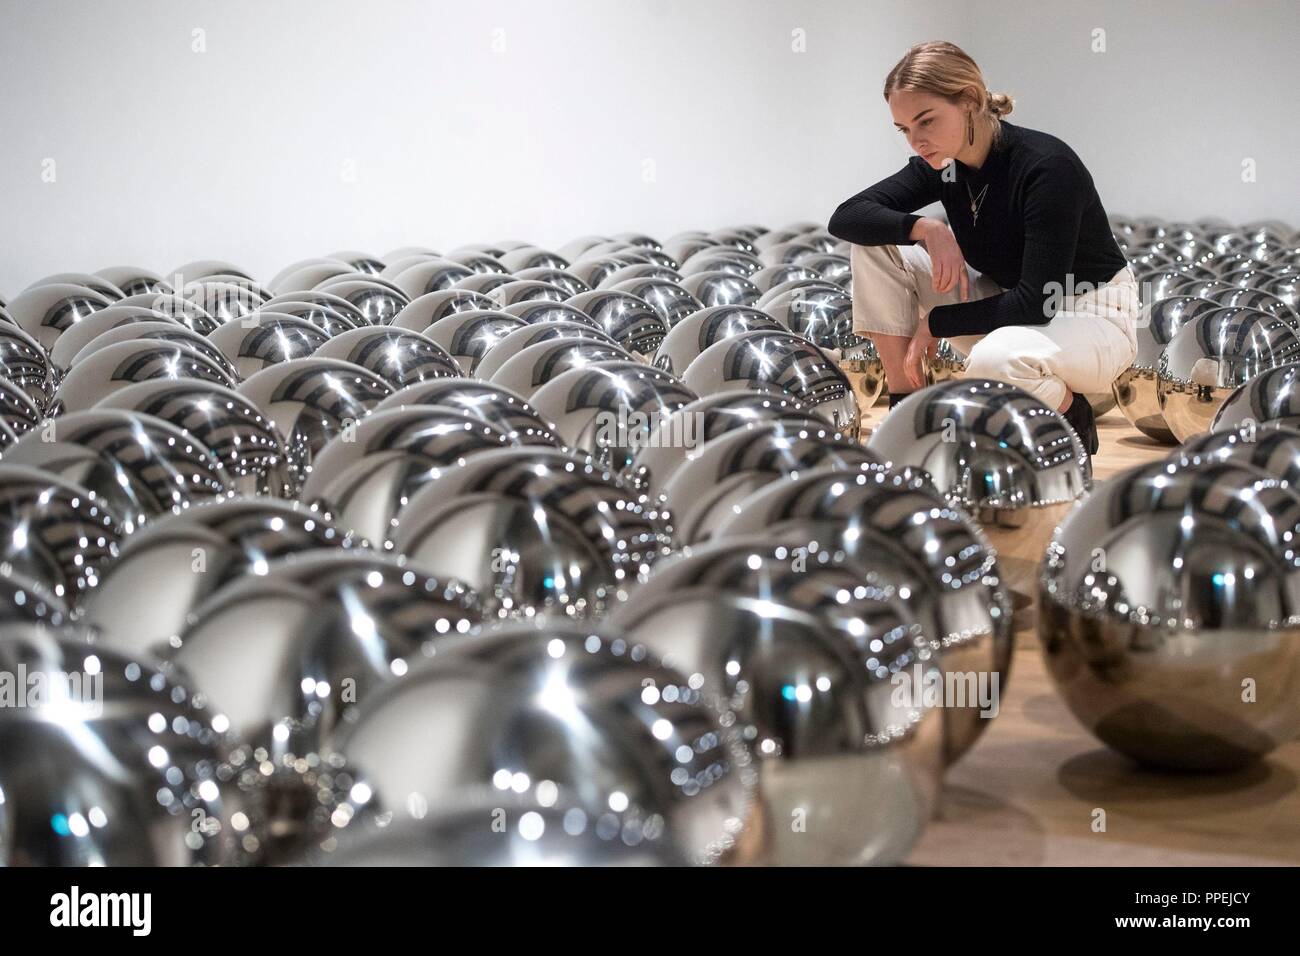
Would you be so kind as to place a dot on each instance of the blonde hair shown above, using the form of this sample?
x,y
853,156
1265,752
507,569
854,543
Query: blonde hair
x,y
944,69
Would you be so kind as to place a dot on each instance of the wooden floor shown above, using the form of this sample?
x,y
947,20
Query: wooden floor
x,y
1026,793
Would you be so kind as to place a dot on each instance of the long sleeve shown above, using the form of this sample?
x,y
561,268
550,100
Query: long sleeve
x,y
1055,197
881,215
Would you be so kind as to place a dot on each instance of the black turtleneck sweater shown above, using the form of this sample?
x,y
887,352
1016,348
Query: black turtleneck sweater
x,y
1040,222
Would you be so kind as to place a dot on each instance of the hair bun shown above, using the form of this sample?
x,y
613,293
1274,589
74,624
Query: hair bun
x,y
1000,104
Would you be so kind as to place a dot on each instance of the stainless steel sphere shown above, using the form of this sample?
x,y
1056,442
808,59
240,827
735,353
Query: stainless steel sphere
x,y
262,338
691,336
328,627
365,478
680,435
896,527
310,401
560,713
25,364
1210,356
514,342
47,311
1136,390
498,831
493,404
713,482
538,311
190,315
999,453
609,409
803,663
666,296
467,336
328,313
139,466
55,532
1271,397
785,360
108,761
163,330
1170,614
1269,446
133,280
118,366
245,442
181,560
432,307
545,361
628,319
430,275
397,356
25,599
327,630
378,300
92,326
533,530
721,288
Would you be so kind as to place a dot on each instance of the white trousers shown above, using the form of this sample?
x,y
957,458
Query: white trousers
x,y
1090,340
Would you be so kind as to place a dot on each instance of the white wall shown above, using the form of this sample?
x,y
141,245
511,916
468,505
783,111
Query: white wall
x,y
164,155
1185,91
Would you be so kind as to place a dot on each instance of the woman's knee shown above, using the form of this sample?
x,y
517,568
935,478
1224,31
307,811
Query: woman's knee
x,y
996,356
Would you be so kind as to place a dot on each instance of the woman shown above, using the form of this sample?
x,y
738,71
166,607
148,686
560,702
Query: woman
x,y
1050,304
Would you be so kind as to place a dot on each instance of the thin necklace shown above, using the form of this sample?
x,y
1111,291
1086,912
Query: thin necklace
x,y
976,203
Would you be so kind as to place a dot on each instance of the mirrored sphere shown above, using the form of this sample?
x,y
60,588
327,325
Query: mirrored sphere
x,y
467,336
545,361
676,437
25,364
994,450
47,311
559,712
896,526
113,763
804,663
398,356
1272,396
310,401
1135,389
54,532
533,530
1199,597
261,339
691,336
608,409
138,465
25,599
721,288
629,320
123,364
243,440
363,479
501,831
712,483
516,340
180,560
77,337
429,308
785,360
1210,356
490,403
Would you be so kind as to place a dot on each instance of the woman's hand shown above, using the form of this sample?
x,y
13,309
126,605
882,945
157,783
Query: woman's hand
x,y
948,265
921,346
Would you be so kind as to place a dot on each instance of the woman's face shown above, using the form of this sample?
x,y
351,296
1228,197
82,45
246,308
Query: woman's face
x,y
935,129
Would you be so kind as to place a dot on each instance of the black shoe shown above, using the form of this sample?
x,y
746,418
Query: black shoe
x,y
896,397
1081,419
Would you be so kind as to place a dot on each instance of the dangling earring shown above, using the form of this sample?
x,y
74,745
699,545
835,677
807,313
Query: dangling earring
x,y
970,130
